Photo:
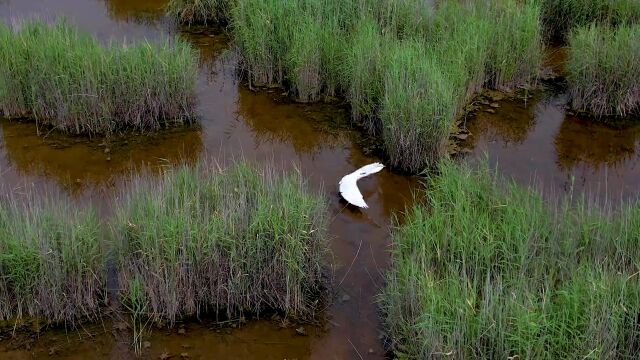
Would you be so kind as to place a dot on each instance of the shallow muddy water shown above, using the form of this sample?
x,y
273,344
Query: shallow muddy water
x,y
537,142
526,140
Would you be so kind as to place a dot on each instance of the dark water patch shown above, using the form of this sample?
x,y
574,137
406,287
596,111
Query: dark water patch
x,y
537,141
77,163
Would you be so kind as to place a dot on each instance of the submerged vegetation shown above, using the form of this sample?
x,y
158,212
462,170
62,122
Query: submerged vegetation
x,y
603,70
231,242
67,80
407,69
489,270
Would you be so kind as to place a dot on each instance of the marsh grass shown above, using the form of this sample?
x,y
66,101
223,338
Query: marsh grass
x,y
51,261
200,239
65,79
232,242
406,68
199,11
487,269
603,70
561,16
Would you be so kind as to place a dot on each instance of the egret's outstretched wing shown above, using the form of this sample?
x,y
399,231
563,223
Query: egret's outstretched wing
x,y
349,186
368,170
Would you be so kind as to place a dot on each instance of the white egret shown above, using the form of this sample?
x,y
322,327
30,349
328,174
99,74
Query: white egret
x,y
349,187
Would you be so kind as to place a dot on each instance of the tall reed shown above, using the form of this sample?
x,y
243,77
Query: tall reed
x,y
487,269
561,16
199,11
66,80
603,70
407,67
232,241
229,242
51,260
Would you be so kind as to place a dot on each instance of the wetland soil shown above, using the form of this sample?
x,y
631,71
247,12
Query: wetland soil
x,y
532,139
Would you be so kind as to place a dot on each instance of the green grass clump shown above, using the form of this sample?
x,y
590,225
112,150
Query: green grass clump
x,y
515,46
488,270
199,11
603,70
363,73
66,80
229,241
417,108
51,265
561,16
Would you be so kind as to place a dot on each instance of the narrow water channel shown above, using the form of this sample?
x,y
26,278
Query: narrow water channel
x,y
527,140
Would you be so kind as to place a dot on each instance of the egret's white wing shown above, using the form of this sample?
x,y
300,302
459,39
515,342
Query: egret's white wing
x,y
368,170
350,192
349,187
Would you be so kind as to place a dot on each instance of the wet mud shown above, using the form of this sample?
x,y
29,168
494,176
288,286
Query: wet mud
x,y
525,139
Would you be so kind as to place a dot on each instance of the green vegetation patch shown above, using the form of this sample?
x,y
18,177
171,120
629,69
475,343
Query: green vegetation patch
x,y
603,70
407,69
67,80
562,16
234,241
199,11
488,270
51,262
231,242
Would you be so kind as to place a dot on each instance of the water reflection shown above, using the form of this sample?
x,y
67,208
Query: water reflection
x,y
307,129
76,162
140,10
535,141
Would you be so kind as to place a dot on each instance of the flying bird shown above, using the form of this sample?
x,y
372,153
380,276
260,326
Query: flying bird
x,y
349,187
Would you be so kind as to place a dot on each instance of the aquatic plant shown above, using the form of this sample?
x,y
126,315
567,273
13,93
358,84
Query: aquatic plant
x,y
199,11
199,239
487,269
232,242
561,16
603,70
65,79
51,262
369,52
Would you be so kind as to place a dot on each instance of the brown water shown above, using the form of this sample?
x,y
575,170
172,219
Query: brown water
x,y
536,141
524,139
